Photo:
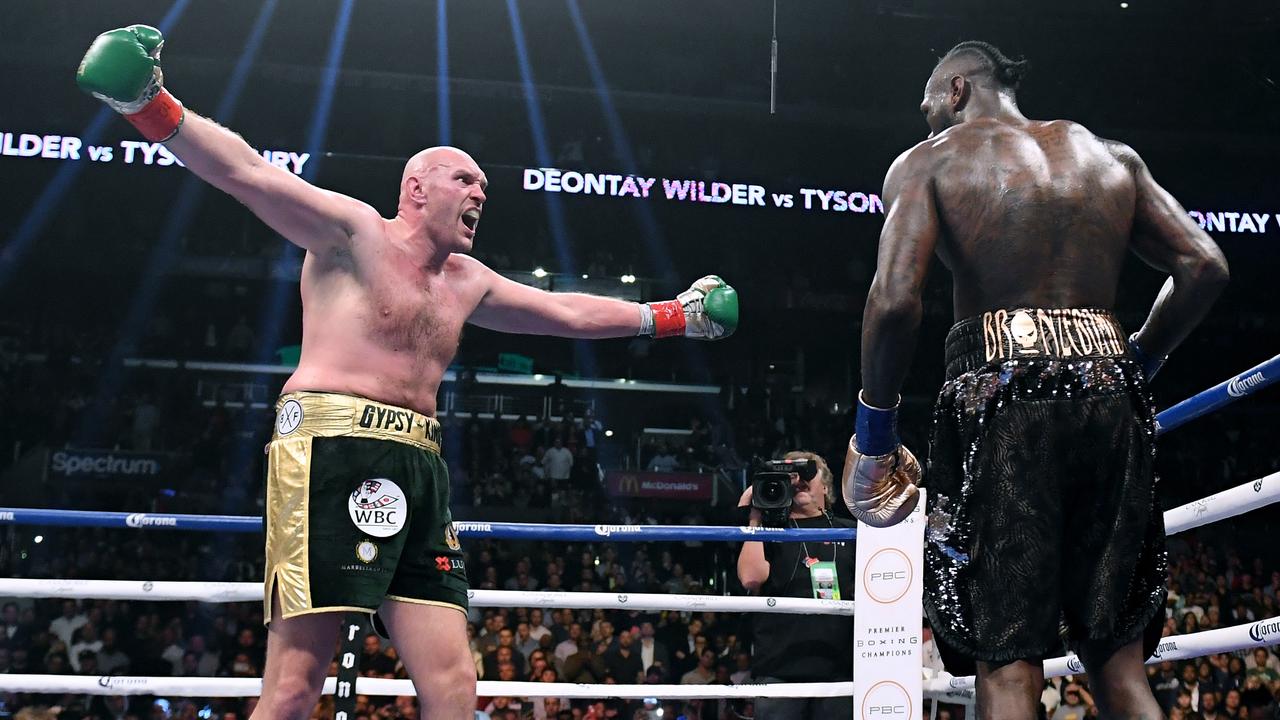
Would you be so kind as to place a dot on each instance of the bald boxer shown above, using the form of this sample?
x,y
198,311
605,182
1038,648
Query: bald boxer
x,y
357,495
1040,475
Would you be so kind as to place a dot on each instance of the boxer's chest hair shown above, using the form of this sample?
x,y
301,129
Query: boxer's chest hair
x,y
413,313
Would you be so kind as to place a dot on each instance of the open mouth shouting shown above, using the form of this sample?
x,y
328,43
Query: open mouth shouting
x,y
470,219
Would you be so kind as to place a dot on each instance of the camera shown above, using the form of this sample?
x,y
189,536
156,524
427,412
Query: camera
x,y
771,488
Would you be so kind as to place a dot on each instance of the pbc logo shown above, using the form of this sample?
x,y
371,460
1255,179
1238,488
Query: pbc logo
x,y
1074,664
886,699
888,575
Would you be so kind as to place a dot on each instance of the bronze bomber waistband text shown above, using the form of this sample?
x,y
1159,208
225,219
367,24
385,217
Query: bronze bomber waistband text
x,y
1050,333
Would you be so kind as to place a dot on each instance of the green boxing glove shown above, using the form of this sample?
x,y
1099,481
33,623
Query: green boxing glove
x,y
707,310
122,69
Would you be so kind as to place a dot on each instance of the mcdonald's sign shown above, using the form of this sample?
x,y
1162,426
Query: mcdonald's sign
x,y
668,485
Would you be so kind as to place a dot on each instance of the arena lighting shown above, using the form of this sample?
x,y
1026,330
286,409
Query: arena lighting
x,y
42,209
166,251
273,310
584,276
608,433
38,539
650,230
583,354
538,272
442,74
1124,6
538,130
628,279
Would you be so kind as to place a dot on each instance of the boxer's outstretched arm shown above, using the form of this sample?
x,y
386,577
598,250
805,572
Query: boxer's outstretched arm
x,y
508,306
1167,239
307,216
891,320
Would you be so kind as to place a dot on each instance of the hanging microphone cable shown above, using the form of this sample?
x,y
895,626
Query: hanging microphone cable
x,y
773,64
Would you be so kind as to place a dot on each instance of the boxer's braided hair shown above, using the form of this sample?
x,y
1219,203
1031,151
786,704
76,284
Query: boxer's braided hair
x,y
1005,71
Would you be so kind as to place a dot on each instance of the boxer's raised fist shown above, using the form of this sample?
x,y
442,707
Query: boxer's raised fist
x,y
707,310
122,69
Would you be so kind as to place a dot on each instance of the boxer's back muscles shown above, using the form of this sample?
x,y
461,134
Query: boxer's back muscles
x,y
1032,216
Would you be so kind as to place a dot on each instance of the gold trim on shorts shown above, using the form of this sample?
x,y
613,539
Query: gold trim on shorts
x,y
434,603
301,417
288,491
321,414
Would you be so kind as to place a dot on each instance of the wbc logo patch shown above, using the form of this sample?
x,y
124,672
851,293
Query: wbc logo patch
x,y
378,508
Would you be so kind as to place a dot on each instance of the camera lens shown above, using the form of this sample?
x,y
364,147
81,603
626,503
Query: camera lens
x,y
772,491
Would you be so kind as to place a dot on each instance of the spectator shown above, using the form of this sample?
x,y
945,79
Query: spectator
x,y
664,461
704,673
86,642
207,661
741,674
569,645
586,665
652,652
1076,702
558,462
12,632
623,662
68,622
1263,663
524,641
1209,708
537,627
373,661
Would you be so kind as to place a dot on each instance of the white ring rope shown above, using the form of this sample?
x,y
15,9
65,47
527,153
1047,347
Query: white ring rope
x,y
1219,506
252,592
247,687
252,687
1222,505
1175,647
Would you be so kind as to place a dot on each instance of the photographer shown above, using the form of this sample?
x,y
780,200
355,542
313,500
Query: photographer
x,y
799,648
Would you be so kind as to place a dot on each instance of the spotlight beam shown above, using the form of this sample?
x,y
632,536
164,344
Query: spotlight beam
x,y
42,209
166,251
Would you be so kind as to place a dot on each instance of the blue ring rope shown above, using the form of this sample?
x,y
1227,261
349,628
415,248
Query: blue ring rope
x,y
496,530
1218,396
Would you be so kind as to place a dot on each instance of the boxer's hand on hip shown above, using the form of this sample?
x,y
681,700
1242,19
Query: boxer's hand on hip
x,y
880,490
122,69
707,310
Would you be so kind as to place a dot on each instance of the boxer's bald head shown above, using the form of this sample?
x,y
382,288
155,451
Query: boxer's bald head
x,y
973,73
440,157
444,187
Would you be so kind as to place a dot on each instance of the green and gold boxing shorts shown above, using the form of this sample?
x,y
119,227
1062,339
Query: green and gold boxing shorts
x,y
358,508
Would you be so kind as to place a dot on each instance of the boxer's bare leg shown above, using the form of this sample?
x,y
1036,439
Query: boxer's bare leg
x,y
432,642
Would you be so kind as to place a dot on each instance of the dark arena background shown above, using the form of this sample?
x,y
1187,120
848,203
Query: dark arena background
x,y
148,322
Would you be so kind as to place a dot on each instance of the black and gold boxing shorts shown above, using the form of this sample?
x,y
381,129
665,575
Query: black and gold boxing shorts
x,y
357,508
1042,508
